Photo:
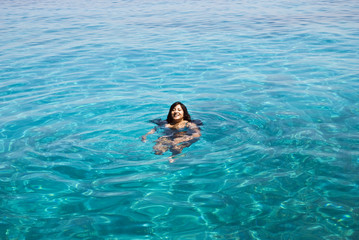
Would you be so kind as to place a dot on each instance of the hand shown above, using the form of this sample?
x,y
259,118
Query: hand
x,y
176,141
181,139
143,139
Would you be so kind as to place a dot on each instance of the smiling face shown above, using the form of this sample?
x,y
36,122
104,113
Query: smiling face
x,y
177,113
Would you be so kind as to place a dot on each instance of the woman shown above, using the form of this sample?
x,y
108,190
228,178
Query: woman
x,y
179,131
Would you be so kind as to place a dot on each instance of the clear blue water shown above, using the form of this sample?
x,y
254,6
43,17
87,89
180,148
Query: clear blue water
x,y
276,84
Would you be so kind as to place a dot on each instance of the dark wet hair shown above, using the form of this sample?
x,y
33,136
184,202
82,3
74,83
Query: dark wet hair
x,y
186,115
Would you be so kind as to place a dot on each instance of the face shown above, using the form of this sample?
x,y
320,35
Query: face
x,y
177,113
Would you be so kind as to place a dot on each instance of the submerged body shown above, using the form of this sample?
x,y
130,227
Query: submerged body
x,y
179,131
176,138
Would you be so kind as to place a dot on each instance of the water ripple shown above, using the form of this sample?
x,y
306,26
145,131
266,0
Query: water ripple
x,y
273,83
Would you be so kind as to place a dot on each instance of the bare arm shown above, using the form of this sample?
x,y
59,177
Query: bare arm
x,y
196,133
144,137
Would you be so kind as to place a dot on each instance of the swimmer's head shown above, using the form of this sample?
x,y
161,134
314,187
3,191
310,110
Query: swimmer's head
x,y
177,113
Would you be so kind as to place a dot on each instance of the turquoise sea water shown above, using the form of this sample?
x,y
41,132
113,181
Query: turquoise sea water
x,y
274,82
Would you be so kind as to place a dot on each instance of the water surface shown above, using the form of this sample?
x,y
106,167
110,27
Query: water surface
x,y
275,84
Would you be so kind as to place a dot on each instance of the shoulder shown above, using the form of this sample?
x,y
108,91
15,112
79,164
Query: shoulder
x,y
191,125
167,125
